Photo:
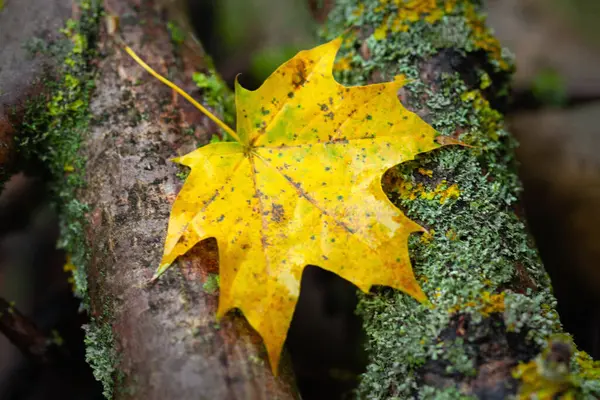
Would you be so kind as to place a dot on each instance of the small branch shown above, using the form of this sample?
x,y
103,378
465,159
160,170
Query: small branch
x,y
23,333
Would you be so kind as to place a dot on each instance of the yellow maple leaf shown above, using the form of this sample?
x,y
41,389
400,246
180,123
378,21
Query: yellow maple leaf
x,y
301,185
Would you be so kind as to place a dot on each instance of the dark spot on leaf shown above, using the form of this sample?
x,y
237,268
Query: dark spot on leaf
x,y
291,95
221,218
277,212
299,77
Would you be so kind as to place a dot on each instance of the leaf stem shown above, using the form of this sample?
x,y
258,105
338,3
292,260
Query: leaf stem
x,y
186,96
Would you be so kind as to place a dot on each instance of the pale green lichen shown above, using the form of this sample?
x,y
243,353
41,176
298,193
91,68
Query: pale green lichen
x,y
477,242
101,354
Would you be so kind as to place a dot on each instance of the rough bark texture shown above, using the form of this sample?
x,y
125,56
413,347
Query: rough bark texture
x,y
168,342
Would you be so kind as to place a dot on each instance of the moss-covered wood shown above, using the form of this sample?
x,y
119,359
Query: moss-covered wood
x,y
491,307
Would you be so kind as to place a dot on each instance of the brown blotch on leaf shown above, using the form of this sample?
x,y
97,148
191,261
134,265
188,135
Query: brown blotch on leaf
x,y
277,213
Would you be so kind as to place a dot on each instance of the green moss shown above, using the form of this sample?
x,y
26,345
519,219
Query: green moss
x,y
50,136
211,285
217,96
52,132
177,34
477,244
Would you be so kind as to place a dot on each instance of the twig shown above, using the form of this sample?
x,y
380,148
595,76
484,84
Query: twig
x,y
23,333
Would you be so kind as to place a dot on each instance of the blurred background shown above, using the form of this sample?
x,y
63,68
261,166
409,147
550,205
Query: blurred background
x,y
555,115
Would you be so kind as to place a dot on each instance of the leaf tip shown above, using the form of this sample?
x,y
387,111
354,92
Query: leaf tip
x,y
161,270
238,88
337,42
175,160
420,296
400,80
448,141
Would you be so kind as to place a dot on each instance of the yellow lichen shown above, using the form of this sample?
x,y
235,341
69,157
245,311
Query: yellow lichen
x,y
486,304
427,237
432,11
381,31
492,120
69,267
425,172
589,368
491,303
450,193
548,377
535,386
411,11
442,191
482,38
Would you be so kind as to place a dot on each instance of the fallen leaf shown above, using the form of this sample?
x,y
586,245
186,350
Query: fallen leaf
x,y
301,185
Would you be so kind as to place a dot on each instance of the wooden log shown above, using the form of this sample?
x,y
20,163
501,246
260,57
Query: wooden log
x,y
492,311
167,341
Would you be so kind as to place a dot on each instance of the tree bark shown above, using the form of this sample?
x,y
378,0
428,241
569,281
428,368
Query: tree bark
x,y
168,342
